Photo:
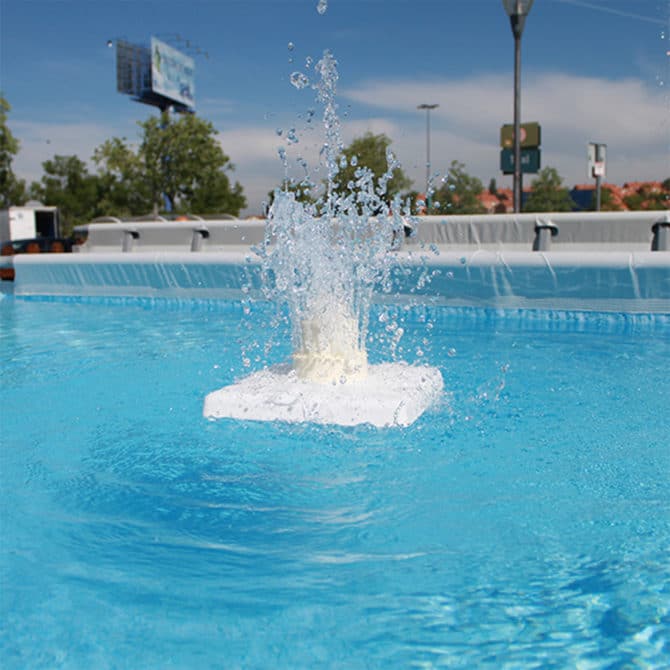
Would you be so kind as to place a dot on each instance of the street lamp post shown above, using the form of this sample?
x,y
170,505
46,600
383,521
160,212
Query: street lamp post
x,y
428,109
517,10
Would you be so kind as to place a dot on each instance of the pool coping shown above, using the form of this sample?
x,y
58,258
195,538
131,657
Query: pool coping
x,y
632,281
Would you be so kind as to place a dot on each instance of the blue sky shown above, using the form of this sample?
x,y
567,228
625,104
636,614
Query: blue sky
x,y
596,70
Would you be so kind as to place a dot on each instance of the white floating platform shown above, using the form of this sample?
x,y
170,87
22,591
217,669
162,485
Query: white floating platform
x,y
393,394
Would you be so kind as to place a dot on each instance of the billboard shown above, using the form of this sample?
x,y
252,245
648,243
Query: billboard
x,y
133,68
172,74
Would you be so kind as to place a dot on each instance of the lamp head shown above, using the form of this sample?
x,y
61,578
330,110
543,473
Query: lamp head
x,y
517,10
517,7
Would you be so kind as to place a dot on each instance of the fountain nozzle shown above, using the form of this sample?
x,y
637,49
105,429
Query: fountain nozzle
x,y
330,351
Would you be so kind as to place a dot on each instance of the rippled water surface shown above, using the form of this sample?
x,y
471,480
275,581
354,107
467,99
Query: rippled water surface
x,y
524,522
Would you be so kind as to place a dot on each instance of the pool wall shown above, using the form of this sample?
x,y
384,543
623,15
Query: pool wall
x,y
592,261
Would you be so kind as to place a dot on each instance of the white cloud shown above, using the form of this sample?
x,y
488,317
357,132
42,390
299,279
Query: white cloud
x,y
41,141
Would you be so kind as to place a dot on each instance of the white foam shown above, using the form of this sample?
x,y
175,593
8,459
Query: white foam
x,y
393,394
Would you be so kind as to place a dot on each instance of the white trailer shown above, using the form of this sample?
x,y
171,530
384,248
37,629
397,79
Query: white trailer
x,y
29,222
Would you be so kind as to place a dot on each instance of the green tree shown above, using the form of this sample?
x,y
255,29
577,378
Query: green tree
x,y
183,163
67,184
548,193
124,191
459,193
372,152
12,189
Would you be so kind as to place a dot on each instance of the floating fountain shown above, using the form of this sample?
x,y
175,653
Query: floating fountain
x,y
324,260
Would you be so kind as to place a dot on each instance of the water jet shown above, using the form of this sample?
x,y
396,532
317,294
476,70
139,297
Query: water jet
x,y
324,260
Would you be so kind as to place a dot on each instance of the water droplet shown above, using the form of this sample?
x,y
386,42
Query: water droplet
x,y
299,80
451,352
309,62
279,131
450,275
354,161
291,46
322,6
291,137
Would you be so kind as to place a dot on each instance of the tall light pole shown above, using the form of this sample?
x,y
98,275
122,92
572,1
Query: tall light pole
x,y
517,10
597,167
428,109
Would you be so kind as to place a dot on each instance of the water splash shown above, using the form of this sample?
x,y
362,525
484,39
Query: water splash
x,y
324,259
299,80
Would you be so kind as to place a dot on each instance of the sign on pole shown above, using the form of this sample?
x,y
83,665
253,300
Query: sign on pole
x,y
596,159
531,135
530,161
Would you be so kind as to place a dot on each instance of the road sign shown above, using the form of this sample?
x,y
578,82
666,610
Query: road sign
x,y
530,161
531,135
597,158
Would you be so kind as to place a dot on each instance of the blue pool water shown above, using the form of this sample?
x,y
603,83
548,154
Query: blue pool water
x,y
522,523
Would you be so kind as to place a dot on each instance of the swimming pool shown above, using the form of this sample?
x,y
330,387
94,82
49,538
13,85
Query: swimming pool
x,y
523,522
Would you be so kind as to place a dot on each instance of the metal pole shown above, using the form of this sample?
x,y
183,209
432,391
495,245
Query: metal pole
x,y
517,121
428,109
427,157
599,159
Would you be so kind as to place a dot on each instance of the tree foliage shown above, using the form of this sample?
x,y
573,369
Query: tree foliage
x,y
458,194
124,191
12,189
67,184
182,162
179,166
372,152
548,193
